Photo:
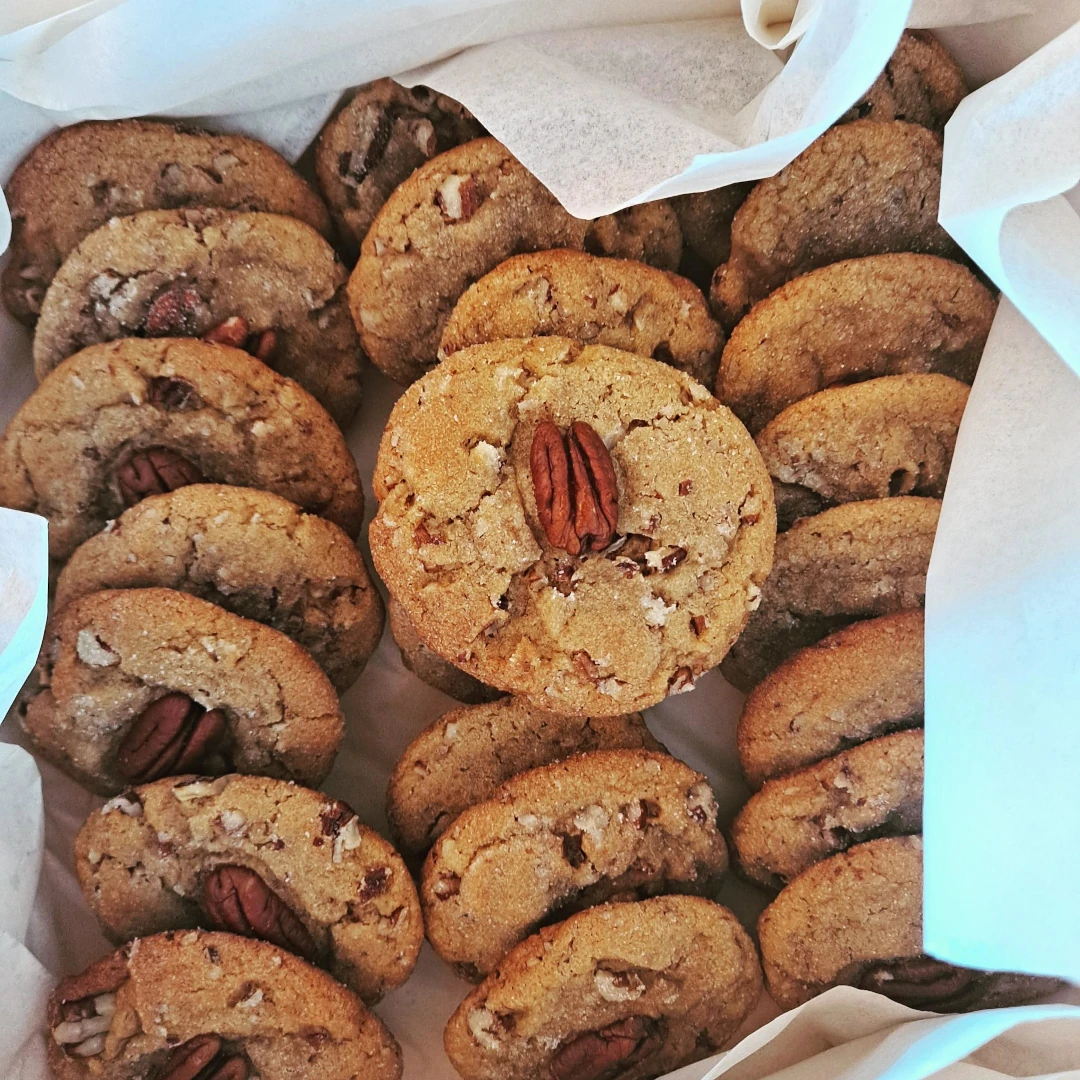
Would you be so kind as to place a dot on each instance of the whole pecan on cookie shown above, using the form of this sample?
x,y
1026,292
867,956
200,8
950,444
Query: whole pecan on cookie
x,y
204,1058
172,735
608,1050
577,494
238,900
153,472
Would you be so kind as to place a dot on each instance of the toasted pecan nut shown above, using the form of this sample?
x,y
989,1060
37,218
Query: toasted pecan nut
x,y
203,1058
593,1054
173,735
153,472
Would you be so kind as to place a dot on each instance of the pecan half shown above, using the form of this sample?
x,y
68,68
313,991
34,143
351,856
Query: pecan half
x,y
577,494
176,311
204,1058
173,735
236,899
918,981
153,472
596,1055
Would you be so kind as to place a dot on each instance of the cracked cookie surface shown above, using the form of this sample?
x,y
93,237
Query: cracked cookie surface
x,y
152,999
194,272
456,218
250,552
110,656
145,861
459,542
633,989
224,412
597,826
79,177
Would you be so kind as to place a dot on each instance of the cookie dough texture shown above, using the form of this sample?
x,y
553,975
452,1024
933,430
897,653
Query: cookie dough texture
x,y
463,757
862,682
889,436
375,142
895,314
276,273
143,859
669,980
79,177
458,541
250,552
455,219
239,422
612,823
862,188
618,302
854,561
284,1016
109,655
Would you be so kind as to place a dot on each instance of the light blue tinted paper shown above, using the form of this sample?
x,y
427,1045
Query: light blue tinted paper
x,y
24,588
1002,809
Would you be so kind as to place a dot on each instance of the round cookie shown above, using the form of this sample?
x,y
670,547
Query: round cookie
x,y
608,824
634,989
236,1007
263,281
854,561
463,757
249,551
856,920
860,683
431,668
872,440
375,142
258,857
456,218
859,319
136,684
79,177
705,219
663,572
874,789
863,188
618,302
131,418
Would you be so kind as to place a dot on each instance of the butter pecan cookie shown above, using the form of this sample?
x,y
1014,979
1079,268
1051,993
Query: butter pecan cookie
x,y
137,684
250,552
258,857
863,188
263,282
889,436
616,302
375,142
126,419
456,218
189,1004
860,683
607,824
577,525
462,758
856,920
705,219
79,177
633,990
858,319
852,562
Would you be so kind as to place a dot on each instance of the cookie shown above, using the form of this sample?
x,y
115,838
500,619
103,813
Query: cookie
x,y
705,219
381,136
258,857
264,282
860,683
431,668
127,419
455,219
872,440
863,188
633,990
603,825
921,84
252,553
856,920
466,754
598,612
188,1004
874,789
852,562
79,177
137,684
616,302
